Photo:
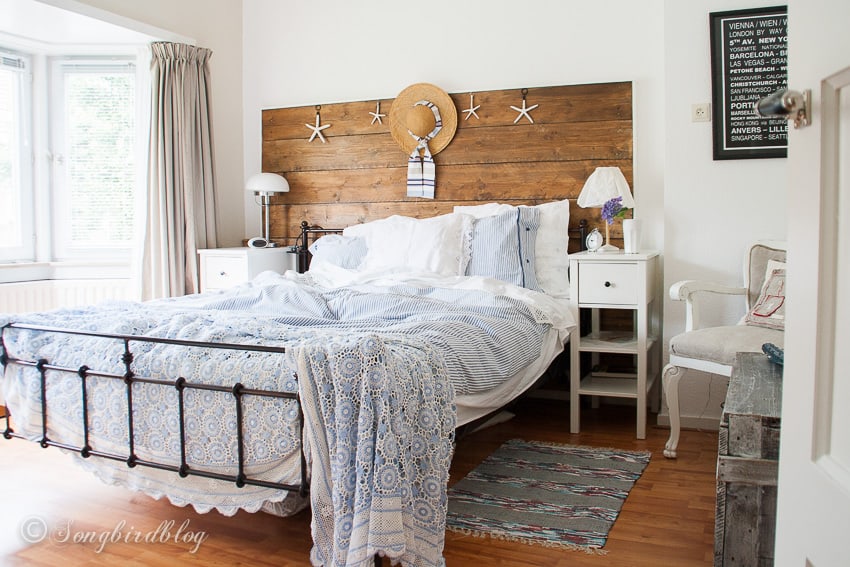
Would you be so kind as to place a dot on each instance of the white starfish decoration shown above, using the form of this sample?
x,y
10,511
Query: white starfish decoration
x,y
317,129
377,114
472,108
524,111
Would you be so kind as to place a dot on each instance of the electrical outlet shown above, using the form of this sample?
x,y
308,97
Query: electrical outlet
x,y
701,112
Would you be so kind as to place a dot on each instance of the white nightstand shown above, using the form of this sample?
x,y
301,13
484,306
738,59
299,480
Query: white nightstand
x,y
225,267
616,281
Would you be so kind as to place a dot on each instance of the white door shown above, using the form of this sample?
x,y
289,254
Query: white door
x,y
813,524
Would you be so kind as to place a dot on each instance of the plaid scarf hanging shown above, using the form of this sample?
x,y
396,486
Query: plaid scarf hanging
x,y
421,170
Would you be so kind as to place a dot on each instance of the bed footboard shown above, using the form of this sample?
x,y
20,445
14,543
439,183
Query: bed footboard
x,y
181,385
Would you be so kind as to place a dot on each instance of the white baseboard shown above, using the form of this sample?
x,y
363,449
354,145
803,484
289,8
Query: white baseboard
x,y
692,422
705,423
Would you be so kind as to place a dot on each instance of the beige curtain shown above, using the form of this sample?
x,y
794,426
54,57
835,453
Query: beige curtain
x,y
181,176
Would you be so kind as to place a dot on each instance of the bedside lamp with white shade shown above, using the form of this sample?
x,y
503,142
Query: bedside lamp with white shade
x,y
604,184
265,185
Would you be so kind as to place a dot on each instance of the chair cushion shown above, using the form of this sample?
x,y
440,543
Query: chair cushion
x,y
720,344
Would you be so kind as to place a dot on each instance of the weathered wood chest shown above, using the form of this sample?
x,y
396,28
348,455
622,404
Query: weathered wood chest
x,y
747,464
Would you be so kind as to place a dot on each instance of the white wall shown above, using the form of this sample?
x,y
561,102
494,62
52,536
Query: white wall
x,y
217,25
323,51
712,209
701,213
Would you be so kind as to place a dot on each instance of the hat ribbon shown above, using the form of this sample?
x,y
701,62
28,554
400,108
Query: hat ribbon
x,y
421,170
438,124
421,174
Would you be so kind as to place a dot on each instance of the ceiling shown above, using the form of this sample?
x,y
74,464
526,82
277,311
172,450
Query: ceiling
x,y
34,25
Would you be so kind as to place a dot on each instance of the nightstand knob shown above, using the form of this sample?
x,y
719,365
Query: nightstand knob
x,y
607,284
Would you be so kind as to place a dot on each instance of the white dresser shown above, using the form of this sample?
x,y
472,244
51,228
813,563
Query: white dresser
x,y
225,267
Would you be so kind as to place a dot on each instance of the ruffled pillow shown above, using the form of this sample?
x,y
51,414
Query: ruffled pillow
x,y
503,246
548,254
439,244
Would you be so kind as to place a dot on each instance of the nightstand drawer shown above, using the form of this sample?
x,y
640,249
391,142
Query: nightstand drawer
x,y
222,268
220,272
613,284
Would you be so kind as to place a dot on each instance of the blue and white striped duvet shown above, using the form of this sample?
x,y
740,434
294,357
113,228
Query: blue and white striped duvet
x,y
379,363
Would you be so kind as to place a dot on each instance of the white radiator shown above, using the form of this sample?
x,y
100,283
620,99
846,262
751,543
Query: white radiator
x,y
44,295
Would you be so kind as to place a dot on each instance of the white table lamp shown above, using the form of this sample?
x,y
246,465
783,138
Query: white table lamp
x,y
604,184
265,185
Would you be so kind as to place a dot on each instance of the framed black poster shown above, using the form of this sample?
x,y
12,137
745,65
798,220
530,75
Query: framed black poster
x,y
749,60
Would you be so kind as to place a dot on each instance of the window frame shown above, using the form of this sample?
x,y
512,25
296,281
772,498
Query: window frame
x,y
42,264
26,250
62,249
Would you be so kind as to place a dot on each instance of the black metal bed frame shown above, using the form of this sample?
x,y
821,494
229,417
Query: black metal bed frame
x,y
129,377
302,246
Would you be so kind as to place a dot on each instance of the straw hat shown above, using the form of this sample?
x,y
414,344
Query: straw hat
x,y
406,115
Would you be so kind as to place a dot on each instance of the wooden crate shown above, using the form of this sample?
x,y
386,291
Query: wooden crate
x,y
747,464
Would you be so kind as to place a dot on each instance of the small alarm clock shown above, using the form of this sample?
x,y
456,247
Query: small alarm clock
x,y
594,240
260,242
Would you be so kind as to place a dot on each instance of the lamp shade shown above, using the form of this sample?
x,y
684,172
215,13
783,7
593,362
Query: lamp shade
x,y
604,184
266,183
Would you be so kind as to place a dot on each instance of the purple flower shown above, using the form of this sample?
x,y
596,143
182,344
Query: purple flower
x,y
612,209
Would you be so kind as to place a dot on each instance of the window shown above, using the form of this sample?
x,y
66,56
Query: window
x,y
70,194
16,221
93,148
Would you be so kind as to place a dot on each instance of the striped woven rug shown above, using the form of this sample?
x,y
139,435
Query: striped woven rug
x,y
545,493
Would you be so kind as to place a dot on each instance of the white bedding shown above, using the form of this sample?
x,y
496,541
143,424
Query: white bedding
x,y
489,339
472,406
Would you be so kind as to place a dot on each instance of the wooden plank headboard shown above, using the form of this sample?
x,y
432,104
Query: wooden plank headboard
x,y
360,173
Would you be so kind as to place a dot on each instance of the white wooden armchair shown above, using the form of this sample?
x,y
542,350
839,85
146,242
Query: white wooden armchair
x,y
713,349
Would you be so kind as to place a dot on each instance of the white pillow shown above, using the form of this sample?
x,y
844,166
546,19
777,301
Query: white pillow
x,y
345,252
551,260
773,265
486,210
769,309
439,244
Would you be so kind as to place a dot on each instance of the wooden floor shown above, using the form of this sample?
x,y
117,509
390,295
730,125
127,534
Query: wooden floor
x,y
668,519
